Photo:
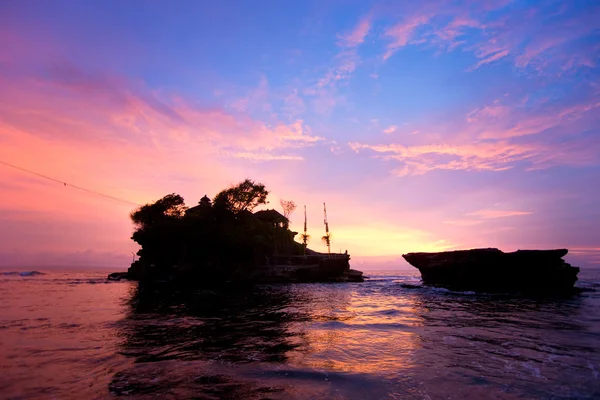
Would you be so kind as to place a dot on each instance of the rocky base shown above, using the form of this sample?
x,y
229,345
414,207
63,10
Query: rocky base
x,y
311,268
492,270
315,267
117,276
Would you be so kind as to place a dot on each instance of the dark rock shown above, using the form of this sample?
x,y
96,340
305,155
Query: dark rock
x,y
494,270
315,267
117,276
353,275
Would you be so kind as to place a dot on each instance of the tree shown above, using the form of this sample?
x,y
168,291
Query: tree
x,y
245,196
327,240
172,205
288,207
305,237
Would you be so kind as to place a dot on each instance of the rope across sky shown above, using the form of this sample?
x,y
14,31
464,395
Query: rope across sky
x,y
69,184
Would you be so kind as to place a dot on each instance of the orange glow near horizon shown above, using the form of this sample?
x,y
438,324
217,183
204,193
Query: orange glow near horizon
x,y
498,153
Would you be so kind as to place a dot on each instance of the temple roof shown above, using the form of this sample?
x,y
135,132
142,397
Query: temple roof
x,y
270,216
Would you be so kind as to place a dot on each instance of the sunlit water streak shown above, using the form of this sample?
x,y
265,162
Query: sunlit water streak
x,y
77,335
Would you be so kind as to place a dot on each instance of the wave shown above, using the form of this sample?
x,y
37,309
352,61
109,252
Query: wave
x,y
93,281
434,289
22,273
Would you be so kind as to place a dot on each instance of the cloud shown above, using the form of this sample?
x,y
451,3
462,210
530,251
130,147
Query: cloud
x,y
256,100
390,129
344,64
401,33
293,104
89,108
71,259
585,255
493,213
418,160
497,137
463,222
482,156
117,137
262,156
548,38
357,35
498,121
494,57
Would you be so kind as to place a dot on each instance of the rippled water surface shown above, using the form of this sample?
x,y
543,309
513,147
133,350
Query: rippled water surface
x,y
77,335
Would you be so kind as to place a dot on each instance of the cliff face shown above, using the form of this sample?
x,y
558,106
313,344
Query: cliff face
x,y
277,269
311,268
494,270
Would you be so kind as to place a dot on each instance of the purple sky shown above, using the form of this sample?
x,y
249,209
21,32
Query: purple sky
x,y
425,126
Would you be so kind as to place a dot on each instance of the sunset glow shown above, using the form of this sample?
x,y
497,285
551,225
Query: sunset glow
x,y
424,126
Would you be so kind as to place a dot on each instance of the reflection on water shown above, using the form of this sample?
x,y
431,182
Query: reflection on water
x,y
233,326
317,326
386,338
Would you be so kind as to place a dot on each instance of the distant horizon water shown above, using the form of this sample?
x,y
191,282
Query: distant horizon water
x,y
75,334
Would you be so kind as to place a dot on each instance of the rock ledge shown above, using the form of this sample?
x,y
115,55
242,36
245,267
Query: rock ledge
x,y
493,270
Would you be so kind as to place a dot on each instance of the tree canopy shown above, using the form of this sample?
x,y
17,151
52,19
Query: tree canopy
x,y
172,205
245,196
288,207
214,241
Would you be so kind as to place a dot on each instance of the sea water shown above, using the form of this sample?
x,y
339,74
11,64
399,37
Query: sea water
x,y
77,335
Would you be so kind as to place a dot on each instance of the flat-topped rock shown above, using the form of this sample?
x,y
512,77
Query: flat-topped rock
x,y
493,270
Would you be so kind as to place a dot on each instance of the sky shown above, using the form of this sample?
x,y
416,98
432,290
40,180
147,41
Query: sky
x,y
424,126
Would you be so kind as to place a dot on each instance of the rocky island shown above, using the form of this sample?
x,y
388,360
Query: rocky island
x,y
492,270
223,241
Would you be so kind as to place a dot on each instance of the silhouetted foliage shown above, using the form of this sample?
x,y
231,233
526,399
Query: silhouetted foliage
x,y
288,207
245,196
305,238
170,206
208,241
327,239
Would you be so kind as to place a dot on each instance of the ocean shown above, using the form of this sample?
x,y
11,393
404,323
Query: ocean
x,y
75,335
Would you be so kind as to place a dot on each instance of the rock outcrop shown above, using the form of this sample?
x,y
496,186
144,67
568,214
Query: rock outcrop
x,y
117,276
314,267
493,270
310,268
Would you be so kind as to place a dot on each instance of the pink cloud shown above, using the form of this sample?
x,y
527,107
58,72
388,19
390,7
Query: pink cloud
x,y
402,33
60,259
463,222
345,62
262,156
358,34
493,213
132,115
530,38
501,122
494,110
115,137
456,27
494,57
479,156
257,98
390,129
496,137
418,160
294,104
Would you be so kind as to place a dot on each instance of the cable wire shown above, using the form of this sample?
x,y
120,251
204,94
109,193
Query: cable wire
x,y
69,184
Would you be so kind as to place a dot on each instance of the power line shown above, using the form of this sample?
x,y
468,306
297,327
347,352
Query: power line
x,y
69,184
